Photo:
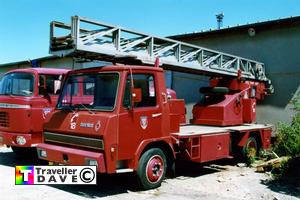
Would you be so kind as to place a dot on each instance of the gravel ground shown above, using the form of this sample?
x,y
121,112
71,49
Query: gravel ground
x,y
218,181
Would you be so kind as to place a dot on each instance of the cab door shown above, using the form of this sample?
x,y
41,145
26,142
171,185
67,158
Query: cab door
x,y
144,120
49,88
43,102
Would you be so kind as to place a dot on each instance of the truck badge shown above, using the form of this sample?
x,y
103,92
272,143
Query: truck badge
x,y
97,126
73,121
144,122
46,111
253,107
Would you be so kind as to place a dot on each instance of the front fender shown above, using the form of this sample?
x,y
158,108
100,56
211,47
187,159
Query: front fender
x,y
151,143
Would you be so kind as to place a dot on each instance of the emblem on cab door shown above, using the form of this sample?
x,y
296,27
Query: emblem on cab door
x,y
73,121
144,122
98,126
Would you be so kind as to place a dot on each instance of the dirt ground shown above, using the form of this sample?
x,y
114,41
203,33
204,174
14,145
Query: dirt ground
x,y
224,180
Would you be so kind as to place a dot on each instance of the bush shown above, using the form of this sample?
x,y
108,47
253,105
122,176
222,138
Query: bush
x,y
250,157
288,141
288,138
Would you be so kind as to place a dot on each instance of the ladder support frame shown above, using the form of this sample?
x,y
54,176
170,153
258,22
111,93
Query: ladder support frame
x,y
107,42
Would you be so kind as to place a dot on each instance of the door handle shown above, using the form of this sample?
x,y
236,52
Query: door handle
x,y
156,114
164,96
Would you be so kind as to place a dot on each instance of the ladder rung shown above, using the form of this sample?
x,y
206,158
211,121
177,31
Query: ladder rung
x,y
96,40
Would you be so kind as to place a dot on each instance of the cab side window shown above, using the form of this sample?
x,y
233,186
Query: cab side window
x,y
88,86
51,83
146,83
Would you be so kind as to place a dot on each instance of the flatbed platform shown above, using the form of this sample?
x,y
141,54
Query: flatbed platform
x,y
194,130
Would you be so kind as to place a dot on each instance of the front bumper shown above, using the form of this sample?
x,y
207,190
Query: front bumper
x,y
70,156
10,139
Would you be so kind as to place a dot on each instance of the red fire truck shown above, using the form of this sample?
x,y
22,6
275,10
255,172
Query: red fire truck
x,y
27,96
128,121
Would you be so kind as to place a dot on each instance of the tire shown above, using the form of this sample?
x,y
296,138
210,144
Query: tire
x,y
152,169
251,143
214,90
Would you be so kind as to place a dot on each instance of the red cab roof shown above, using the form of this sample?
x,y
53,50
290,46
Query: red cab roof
x,y
117,68
42,70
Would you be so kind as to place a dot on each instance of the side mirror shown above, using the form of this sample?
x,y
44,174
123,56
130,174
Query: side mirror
x,y
137,95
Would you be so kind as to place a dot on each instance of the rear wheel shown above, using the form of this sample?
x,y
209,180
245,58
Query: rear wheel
x,y
250,148
152,169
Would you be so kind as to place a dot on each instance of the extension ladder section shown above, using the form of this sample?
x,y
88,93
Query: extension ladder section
x,y
92,40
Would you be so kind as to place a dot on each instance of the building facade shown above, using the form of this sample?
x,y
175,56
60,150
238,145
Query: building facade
x,y
276,43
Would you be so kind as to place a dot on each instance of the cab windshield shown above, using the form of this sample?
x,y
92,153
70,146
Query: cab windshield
x,y
89,92
18,84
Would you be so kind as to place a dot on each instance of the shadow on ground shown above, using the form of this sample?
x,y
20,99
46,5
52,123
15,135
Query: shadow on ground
x,y
8,158
191,169
116,183
113,184
288,186
289,183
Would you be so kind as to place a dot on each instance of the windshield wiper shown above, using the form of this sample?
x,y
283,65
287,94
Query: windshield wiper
x,y
7,93
88,109
69,107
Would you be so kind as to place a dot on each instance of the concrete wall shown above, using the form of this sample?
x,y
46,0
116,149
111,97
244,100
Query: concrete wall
x,y
187,88
49,63
66,63
58,63
11,67
279,49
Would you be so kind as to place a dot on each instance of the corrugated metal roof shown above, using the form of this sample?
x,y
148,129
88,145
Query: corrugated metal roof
x,y
281,22
27,61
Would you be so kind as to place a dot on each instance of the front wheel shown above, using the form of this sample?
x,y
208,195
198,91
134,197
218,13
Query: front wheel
x,y
152,169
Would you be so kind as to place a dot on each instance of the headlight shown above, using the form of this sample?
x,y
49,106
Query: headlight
x,y
92,162
42,153
20,140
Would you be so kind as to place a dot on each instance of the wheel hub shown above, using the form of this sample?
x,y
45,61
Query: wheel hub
x,y
155,169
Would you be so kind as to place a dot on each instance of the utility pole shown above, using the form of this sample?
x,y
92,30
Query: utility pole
x,y
220,17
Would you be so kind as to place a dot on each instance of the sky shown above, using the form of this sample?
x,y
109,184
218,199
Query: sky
x,y
24,24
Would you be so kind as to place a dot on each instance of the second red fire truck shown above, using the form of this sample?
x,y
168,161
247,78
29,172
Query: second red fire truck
x,y
27,96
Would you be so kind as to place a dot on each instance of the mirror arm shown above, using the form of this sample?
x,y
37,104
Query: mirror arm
x,y
131,90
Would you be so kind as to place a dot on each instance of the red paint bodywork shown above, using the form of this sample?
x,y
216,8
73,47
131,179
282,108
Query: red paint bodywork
x,y
235,108
205,147
26,121
124,138
76,156
264,136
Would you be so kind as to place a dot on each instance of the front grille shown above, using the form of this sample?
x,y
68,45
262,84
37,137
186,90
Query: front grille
x,y
74,140
4,119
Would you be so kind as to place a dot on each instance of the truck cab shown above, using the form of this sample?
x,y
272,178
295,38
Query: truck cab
x,y
27,96
109,117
